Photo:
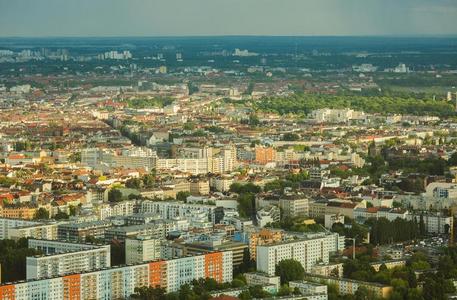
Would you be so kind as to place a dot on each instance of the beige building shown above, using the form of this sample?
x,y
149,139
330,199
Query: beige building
x,y
294,206
350,287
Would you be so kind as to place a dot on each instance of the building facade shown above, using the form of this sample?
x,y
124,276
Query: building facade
x,y
120,282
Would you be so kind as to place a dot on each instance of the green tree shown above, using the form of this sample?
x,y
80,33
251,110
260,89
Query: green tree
x,y
149,293
284,290
148,180
258,292
246,205
133,183
452,161
182,196
114,195
75,157
289,270
61,215
290,137
42,214
245,295
13,259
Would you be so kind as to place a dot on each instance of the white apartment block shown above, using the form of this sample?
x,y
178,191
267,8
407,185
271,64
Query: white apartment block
x,y
46,231
221,184
442,190
124,208
267,215
194,166
50,247
253,279
434,223
142,249
311,290
6,224
330,219
308,252
47,266
120,282
133,158
327,115
172,210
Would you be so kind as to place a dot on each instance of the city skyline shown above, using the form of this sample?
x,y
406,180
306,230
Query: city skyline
x,y
25,18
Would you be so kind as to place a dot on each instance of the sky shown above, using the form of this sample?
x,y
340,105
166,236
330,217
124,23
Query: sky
x,y
44,18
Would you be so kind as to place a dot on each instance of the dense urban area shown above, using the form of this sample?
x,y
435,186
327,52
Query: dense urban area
x,y
228,168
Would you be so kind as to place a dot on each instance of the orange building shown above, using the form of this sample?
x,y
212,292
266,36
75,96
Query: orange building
x,y
263,237
18,212
264,155
7,292
214,266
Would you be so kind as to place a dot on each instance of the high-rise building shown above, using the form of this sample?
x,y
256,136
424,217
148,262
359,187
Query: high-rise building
x,y
63,258
142,249
120,282
307,251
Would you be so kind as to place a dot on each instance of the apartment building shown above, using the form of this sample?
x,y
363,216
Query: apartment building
x,y
441,190
264,155
53,246
77,232
390,264
294,206
221,184
256,278
141,249
155,230
349,287
332,269
263,237
310,290
238,249
199,187
308,251
120,282
123,208
267,215
18,211
171,210
133,158
7,223
61,263
38,231
434,222
194,166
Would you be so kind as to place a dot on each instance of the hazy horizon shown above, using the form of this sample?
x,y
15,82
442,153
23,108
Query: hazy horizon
x,y
200,18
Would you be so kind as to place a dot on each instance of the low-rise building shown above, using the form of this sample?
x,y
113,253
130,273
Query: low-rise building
x,y
253,279
310,290
349,287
